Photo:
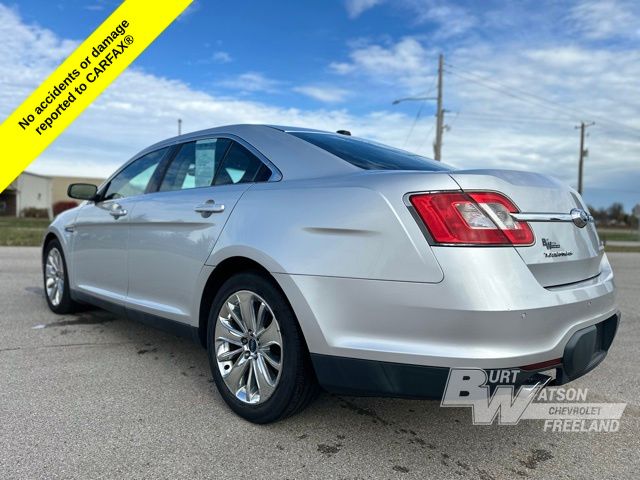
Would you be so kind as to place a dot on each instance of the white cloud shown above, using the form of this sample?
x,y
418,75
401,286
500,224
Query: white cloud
x,y
251,82
221,57
97,5
139,109
323,93
603,19
27,56
450,19
493,120
569,84
490,128
406,62
356,7
194,7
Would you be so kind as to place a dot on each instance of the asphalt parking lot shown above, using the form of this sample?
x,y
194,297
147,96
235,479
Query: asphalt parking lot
x,y
97,396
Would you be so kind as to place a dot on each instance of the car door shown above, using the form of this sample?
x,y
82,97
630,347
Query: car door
x,y
100,231
173,231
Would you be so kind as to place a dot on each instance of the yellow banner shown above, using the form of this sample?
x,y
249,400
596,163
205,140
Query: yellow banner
x,y
80,79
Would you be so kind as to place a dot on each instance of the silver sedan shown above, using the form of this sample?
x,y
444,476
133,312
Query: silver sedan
x,y
304,259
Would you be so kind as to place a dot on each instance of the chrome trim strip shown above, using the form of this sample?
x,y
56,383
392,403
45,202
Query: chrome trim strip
x,y
547,217
542,217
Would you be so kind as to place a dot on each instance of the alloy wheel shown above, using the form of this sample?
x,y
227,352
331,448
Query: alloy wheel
x,y
54,276
248,347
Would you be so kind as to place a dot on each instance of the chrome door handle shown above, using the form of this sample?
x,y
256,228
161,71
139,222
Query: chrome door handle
x,y
209,207
116,211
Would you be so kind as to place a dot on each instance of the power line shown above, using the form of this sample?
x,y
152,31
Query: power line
x,y
509,94
636,192
427,136
437,144
450,125
533,98
505,86
413,125
521,119
508,90
526,119
431,88
419,112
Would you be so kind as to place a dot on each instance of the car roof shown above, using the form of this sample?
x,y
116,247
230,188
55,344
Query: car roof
x,y
283,128
294,157
237,129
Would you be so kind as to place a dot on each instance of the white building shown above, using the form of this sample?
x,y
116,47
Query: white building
x,y
29,190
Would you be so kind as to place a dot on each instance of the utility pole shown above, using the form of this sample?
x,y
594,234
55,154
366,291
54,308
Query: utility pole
x,y
179,126
583,152
437,145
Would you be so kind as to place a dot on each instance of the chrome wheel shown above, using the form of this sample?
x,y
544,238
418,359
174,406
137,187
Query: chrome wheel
x,y
248,347
54,276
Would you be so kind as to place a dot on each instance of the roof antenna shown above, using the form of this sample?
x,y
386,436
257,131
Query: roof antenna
x,y
344,132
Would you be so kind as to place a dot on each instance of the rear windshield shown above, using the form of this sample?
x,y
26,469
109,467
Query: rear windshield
x,y
369,155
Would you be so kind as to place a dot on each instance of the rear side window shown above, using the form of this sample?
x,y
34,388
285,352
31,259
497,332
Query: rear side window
x,y
369,155
195,164
241,166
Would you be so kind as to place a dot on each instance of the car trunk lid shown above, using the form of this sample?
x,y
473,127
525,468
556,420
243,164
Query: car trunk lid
x,y
563,252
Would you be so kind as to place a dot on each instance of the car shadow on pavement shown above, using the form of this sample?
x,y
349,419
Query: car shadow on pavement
x,y
409,433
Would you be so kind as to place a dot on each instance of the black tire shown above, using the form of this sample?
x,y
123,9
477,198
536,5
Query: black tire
x,y
297,385
66,305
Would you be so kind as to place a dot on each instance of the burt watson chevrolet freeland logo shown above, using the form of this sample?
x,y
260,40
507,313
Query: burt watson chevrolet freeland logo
x,y
495,394
78,81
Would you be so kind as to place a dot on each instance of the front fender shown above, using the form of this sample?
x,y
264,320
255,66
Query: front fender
x,y
62,229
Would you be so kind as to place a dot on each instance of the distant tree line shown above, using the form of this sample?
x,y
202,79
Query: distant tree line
x,y
614,216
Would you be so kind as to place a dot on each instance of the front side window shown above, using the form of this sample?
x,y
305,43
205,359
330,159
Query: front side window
x,y
241,166
195,164
135,177
369,155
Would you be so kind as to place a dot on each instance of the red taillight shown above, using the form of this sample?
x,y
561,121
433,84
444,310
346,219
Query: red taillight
x,y
473,218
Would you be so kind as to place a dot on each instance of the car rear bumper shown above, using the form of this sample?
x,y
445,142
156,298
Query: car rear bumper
x,y
586,349
476,320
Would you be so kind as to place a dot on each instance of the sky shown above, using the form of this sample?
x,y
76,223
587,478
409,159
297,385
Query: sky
x,y
519,77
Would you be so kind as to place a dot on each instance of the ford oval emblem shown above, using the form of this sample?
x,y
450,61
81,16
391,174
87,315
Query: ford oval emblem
x,y
580,218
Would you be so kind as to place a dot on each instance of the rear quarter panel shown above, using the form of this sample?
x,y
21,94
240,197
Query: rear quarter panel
x,y
356,227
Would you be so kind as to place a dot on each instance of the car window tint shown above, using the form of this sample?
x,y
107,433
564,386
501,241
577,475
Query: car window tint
x,y
195,164
241,166
370,155
133,180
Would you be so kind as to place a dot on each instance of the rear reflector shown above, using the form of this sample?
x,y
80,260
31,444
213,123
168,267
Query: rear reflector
x,y
472,218
543,365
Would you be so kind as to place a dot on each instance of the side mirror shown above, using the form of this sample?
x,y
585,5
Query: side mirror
x,y
82,191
